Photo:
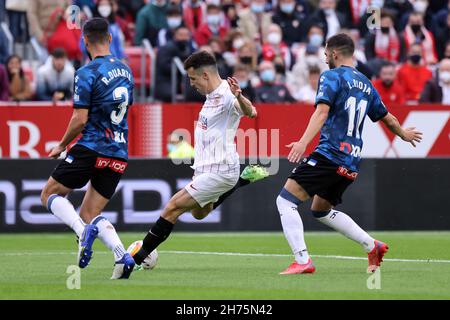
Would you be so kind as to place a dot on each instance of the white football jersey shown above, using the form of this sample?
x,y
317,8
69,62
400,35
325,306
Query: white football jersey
x,y
215,149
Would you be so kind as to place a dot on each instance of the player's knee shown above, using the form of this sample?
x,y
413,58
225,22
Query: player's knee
x,y
45,194
320,214
199,214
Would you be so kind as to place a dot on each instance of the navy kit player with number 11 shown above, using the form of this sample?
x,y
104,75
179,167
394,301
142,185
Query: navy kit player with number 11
x,y
344,98
103,93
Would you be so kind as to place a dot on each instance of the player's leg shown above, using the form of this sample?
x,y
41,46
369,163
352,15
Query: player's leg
x,y
53,197
287,202
180,203
322,209
250,174
102,188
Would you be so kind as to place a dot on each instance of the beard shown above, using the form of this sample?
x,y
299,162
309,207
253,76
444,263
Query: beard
x,y
331,63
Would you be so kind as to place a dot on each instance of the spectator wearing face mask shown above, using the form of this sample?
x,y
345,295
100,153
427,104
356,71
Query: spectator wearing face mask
x,y
211,27
242,74
385,43
415,32
150,19
254,21
438,90
104,9
310,55
217,48
269,91
178,47
273,46
230,12
413,75
389,88
174,20
291,21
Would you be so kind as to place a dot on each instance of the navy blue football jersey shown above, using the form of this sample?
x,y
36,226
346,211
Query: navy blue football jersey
x,y
351,96
105,87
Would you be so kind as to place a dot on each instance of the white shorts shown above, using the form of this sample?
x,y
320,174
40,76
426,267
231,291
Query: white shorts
x,y
208,187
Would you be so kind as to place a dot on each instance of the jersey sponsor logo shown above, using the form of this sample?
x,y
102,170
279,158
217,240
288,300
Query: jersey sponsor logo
x,y
347,173
312,162
113,164
354,151
192,186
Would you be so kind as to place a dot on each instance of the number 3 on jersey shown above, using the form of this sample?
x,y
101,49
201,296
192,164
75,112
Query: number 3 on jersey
x,y
120,93
350,106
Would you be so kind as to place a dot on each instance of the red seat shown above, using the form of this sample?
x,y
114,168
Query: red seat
x,y
134,61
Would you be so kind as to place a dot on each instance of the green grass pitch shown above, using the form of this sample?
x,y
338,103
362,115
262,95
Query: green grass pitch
x,y
229,266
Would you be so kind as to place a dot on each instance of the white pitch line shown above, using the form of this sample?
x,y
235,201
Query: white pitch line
x,y
12,254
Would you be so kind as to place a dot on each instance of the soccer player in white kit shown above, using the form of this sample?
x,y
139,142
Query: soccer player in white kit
x,y
216,162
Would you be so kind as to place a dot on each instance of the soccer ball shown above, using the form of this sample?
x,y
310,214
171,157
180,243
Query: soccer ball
x,y
149,262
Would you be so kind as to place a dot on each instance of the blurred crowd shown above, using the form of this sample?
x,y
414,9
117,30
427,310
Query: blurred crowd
x,y
275,49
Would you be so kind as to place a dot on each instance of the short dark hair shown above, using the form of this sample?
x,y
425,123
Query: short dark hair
x,y
386,64
59,53
342,43
96,30
200,59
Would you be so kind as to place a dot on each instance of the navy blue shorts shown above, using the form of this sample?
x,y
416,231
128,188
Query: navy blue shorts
x,y
318,175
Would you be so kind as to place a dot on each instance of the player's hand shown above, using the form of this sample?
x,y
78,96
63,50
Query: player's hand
x,y
412,136
234,86
298,149
56,152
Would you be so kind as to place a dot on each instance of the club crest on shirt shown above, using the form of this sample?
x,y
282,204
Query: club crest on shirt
x,y
203,122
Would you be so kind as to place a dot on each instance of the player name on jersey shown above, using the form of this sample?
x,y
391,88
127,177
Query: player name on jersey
x,y
115,73
360,85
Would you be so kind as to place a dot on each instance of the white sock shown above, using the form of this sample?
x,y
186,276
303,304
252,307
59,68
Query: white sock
x,y
108,235
64,210
342,223
293,229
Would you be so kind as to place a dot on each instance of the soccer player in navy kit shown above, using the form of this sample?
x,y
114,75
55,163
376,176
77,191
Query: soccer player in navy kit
x,y
102,95
344,98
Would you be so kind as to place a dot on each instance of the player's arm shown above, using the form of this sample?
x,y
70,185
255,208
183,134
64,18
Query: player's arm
x,y
75,127
242,102
409,134
315,124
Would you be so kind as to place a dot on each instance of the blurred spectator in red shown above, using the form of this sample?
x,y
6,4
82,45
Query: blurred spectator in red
x,y
385,43
233,42
55,78
388,86
438,90
39,16
242,75
269,91
211,27
415,32
273,46
194,12
291,20
4,84
413,75
174,20
178,47
254,21
150,19
307,93
129,9
442,38
329,19
19,85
